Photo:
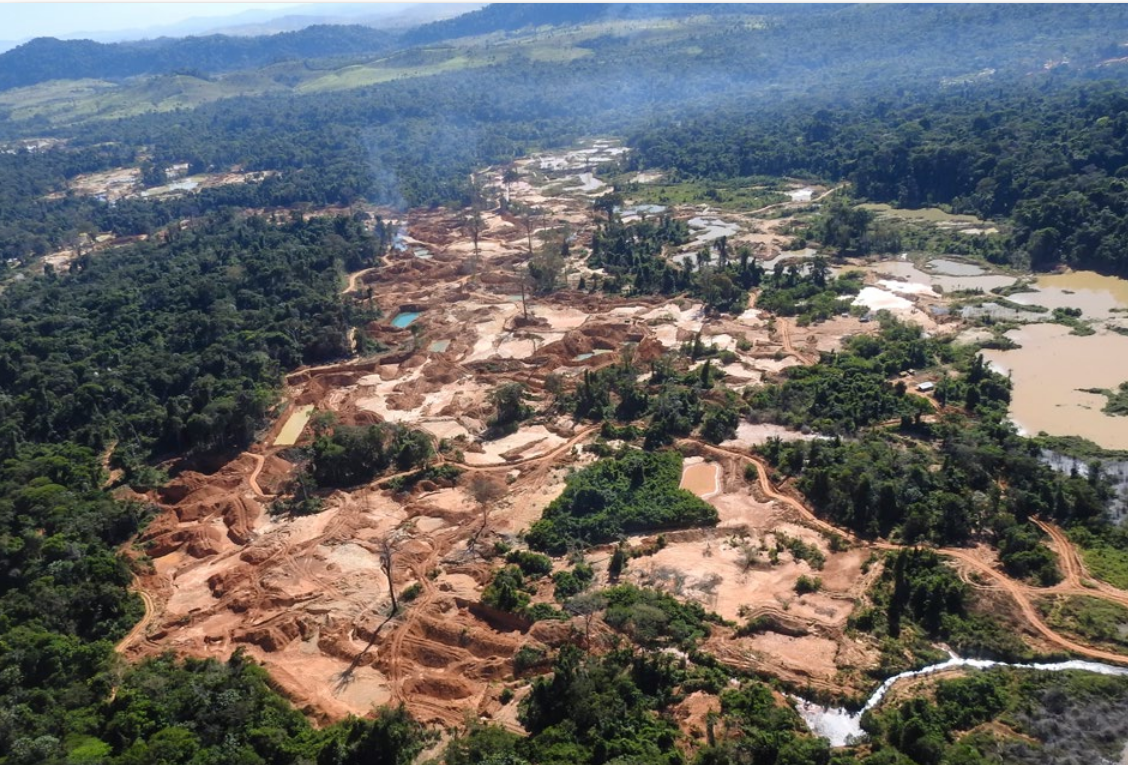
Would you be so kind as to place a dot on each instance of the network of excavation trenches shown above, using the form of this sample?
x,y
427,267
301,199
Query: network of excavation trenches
x,y
307,597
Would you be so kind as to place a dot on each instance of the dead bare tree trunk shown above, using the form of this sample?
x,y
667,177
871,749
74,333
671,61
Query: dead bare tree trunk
x,y
529,231
386,564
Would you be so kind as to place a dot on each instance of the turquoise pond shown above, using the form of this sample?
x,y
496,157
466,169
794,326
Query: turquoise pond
x,y
440,346
404,319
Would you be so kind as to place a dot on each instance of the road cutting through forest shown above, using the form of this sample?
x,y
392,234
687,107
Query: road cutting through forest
x,y
1019,593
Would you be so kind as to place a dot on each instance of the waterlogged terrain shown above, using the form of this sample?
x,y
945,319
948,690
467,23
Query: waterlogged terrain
x,y
1054,366
1099,297
1050,371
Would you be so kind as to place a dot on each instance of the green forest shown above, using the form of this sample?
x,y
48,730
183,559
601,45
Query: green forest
x,y
1050,160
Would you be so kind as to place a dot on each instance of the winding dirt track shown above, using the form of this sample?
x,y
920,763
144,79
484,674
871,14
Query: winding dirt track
x,y
350,285
1020,593
785,341
1077,579
142,626
395,650
252,479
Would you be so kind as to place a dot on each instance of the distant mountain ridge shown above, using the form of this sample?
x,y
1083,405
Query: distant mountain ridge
x,y
46,58
510,17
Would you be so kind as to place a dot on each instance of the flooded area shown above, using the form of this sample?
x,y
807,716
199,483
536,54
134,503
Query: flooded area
x,y
708,228
586,356
1098,297
1113,471
948,275
294,426
638,212
1048,371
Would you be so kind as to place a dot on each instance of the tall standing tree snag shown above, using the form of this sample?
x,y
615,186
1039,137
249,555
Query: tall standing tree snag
x,y
486,491
387,554
510,177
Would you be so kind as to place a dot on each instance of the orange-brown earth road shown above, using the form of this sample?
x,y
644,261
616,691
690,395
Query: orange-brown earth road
x,y
1020,593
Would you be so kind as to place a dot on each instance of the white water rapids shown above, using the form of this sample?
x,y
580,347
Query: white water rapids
x,y
841,727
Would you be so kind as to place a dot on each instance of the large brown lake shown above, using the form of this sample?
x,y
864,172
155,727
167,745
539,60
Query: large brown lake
x,y
1053,364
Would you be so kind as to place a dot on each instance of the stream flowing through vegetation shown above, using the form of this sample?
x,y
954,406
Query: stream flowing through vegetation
x,y
840,726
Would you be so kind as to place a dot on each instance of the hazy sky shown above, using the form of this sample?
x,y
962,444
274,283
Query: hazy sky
x,y
23,20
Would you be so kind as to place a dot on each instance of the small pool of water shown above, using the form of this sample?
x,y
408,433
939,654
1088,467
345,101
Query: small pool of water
x,y
639,210
586,356
954,268
702,479
710,228
440,346
404,319
422,252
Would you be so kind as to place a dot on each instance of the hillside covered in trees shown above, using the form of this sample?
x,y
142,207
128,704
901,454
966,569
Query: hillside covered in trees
x,y
1052,160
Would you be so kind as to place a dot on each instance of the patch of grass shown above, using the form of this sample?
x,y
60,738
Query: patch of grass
x,y
1117,404
362,75
1093,619
1107,563
739,194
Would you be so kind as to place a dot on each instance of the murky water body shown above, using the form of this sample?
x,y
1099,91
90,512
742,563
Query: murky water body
x,y
1097,296
1048,371
701,479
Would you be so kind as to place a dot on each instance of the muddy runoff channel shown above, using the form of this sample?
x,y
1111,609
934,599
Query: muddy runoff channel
x,y
842,727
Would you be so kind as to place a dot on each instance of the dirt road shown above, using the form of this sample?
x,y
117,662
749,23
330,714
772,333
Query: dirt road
x,y
142,627
1019,592
252,479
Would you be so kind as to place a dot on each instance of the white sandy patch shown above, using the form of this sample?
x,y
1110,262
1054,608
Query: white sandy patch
x,y
445,428
776,366
561,318
749,435
723,342
877,299
524,444
906,288
351,558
